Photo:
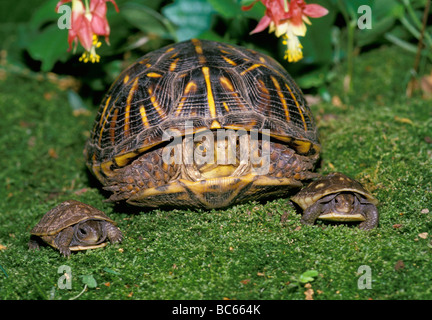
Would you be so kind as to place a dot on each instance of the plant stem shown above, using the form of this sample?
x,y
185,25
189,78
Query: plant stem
x,y
87,6
77,296
420,43
414,18
410,27
351,25
400,43
411,84
350,55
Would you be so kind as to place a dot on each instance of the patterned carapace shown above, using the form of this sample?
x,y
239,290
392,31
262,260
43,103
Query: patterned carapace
x,y
215,85
207,86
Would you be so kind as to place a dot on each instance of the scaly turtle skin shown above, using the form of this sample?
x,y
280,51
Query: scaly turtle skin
x,y
73,226
337,197
172,104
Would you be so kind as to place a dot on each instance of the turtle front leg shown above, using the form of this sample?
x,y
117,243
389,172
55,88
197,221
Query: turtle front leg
x,y
63,241
370,212
34,243
114,234
312,213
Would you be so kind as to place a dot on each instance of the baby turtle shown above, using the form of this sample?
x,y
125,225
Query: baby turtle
x,y
337,197
74,226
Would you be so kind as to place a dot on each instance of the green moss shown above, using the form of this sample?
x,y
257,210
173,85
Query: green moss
x,y
250,251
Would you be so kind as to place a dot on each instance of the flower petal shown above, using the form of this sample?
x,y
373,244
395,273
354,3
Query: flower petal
x,y
246,8
115,5
61,3
314,10
296,12
71,38
306,20
100,26
299,30
98,7
281,29
85,34
262,24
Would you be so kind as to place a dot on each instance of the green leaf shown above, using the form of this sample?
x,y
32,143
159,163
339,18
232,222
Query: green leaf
x,y
49,46
153,4
17,11
106,269
256,12
192,17
89,280
384,15
353,5
4,271
43,14
379,28
317,43
401,43
147,19
227,8
212,36
308,276
315,78
75,101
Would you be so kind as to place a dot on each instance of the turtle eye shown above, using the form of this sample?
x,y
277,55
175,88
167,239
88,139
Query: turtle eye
x,y
340,199
82,231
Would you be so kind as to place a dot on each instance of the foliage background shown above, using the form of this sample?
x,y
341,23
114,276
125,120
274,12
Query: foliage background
x,y
33,41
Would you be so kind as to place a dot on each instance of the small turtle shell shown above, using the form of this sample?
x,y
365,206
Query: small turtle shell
x,y
66,214
332,183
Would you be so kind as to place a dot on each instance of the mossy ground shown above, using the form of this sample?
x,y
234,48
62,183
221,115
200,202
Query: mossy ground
x,y
251,251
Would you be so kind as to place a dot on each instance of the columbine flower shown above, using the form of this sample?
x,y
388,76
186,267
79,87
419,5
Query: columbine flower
x,y
87,23
294,52
288,19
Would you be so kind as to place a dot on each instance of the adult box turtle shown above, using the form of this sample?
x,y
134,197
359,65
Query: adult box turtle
x,y
207,124
74,226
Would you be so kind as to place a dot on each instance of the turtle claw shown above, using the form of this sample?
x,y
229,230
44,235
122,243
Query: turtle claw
x,y
65,251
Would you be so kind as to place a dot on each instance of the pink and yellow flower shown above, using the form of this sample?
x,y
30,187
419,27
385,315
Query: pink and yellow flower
x,y
288,19
87,23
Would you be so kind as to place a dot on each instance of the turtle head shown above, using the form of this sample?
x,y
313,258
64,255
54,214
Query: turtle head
x,y
344,203
89,233
343,206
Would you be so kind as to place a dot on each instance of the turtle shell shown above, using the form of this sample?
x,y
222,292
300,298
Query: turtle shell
x,y
67,214
332,183
206,84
